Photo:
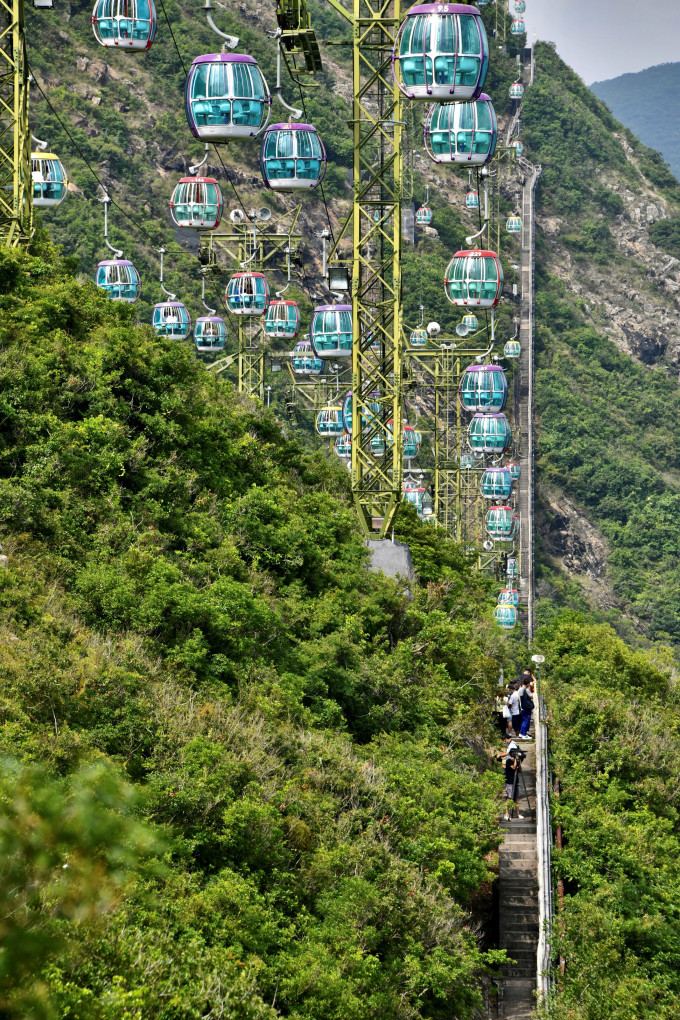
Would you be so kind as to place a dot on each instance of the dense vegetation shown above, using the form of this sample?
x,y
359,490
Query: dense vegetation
x,y
616,754
635,100
244,776
187,610
607,427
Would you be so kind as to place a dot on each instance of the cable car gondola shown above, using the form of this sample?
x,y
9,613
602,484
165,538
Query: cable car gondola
x,y
472,199
329,422
119,279
512,569
441,52
210,334
506,617
502,523
517,146
496,483
483,388
304,360
514,470
197,203
226,97
518,27
516,90
419,498
520,6
474,278
247,294
292,158
463,133
373,410
331,331
171,319
489,433
127,24
424,216
50,183
418,338
343,446
514,225
508,597
411,442
282,319
471,323
512,349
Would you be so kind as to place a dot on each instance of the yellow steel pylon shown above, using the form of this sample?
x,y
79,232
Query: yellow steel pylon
x,y
255,250
377,352
16,186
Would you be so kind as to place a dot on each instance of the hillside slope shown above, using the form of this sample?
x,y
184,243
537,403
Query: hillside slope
x,y
124,114
648,102
187,606
608,356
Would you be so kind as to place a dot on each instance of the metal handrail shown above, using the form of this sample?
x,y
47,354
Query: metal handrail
x,y
544,845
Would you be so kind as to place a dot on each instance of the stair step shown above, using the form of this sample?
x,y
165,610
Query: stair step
x,y
510,854
522,941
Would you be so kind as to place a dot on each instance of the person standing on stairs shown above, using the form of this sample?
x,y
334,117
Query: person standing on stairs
x,y
510,766
515,708
527,704
502,714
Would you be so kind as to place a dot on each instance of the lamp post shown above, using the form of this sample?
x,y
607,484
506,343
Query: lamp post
x,y
269,393
538,659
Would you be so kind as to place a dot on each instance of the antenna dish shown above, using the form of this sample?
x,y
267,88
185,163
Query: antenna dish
x,y
488,545
461,329
264,213
236,216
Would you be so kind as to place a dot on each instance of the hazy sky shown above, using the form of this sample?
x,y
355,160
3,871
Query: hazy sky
x,y
604,38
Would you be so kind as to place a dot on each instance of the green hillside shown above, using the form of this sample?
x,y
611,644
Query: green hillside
x,y
648,102
244,776
187,609
606,422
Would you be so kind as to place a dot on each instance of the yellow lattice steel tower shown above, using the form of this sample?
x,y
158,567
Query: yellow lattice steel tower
x,y
377,354
16,190
256,250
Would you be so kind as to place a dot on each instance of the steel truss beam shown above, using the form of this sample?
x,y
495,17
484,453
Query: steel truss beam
x,y
16,186
316,393
256,246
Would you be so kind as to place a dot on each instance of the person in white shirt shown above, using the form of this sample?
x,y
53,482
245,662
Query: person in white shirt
x,y
515,708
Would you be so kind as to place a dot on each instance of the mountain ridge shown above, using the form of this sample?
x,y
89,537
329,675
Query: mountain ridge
x,y
632,96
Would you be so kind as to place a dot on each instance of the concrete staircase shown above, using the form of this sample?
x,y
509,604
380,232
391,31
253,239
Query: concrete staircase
x,y
518,902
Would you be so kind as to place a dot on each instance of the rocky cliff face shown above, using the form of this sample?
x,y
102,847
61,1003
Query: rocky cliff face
x,y
634,299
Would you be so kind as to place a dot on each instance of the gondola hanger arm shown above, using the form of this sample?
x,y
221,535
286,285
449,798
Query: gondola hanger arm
x,y
230,41
193,170
162,252
118,252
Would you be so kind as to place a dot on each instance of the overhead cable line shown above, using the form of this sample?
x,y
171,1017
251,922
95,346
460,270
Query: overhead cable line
x,y
138,226
304,110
